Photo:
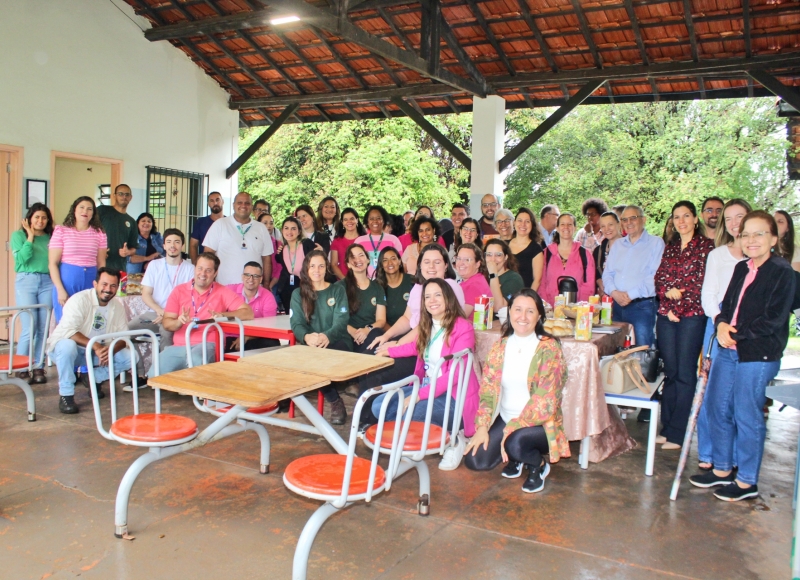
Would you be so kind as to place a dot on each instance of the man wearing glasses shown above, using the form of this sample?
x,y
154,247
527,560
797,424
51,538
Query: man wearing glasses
x,y
629,275
548,219
260,300
489,206
712,212
121,229
260,207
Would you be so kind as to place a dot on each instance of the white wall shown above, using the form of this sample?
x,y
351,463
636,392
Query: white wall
x,y
74,180
78,76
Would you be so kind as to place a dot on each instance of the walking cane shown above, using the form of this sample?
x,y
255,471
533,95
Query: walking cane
x,y
699,393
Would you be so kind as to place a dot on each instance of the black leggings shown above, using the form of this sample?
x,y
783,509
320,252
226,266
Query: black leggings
x,y
363,348
526,445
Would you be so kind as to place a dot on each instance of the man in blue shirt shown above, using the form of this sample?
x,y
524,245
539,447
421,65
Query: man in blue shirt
x,y
202,225
548,219
629,275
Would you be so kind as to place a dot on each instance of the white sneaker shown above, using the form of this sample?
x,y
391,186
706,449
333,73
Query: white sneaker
x,y
453,454
129,387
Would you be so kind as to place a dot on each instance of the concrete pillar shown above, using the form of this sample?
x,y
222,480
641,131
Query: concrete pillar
x,y
488,140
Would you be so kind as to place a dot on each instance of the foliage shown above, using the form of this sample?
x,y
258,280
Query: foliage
x,y
648,154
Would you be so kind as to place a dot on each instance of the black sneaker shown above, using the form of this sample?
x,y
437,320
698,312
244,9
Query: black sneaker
x,y
512,470
644,416
66,404
338,412
536,477
711,479
84,379
732,492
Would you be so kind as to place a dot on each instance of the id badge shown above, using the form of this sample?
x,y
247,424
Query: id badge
x,y
373,261
426,382
291,279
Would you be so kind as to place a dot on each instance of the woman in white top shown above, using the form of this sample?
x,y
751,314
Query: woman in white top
x,y
719,270
519,415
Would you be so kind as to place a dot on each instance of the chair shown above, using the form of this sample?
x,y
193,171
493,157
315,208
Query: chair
x,y
163,434
21,363
426,439
341,480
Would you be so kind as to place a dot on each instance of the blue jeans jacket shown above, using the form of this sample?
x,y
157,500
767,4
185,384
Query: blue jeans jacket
x,y
141,250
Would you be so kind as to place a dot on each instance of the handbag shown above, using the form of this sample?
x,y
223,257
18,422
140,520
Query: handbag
x,y
648,361
621,373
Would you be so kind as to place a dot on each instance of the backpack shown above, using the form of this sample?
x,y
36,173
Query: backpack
x,y
582,251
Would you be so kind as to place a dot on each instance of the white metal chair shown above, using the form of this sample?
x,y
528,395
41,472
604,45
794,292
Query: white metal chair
x,y
341,480
18,363
163,434
423,437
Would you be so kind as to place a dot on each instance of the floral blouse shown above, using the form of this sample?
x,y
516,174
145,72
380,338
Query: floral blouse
x,y
546,379
684,269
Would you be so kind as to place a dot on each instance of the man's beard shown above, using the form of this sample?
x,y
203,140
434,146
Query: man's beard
x,y
216,209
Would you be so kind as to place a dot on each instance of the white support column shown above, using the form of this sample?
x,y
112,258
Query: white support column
x,y
488,140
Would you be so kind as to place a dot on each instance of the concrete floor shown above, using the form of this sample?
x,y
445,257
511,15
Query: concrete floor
x,y
210,514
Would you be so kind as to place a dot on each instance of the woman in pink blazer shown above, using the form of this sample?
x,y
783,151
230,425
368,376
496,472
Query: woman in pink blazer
x,y
443,330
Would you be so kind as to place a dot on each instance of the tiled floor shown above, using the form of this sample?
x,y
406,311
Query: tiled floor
x,y
210,514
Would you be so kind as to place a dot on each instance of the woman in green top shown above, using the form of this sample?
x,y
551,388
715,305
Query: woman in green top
x,y
503,277
395,282
366,298
33,284
319,317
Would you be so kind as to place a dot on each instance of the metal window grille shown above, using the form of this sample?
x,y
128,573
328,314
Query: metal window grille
x,y
175,198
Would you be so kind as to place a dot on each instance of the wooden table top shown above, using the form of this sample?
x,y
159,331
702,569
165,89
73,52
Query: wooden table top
x,y
237,384
335,365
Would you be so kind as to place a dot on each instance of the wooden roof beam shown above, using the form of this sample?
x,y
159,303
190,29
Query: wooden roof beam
x,y
701,84
776,87
318,18
637,33
430,34
537,33
388,19
461,55
256,145
437,136
584,25
374,94
476,11
748,47
687,15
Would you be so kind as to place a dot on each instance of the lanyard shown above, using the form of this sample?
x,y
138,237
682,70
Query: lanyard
x,y
244,233
430,342
175,277
196,309
380,241
292,259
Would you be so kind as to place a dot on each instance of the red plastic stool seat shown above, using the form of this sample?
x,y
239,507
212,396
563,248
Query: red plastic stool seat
x,y
154,428
254,410
414,438
324,474
18,362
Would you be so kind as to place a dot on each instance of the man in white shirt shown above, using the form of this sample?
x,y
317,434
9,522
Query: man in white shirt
x,y
159,280
87,314
237,240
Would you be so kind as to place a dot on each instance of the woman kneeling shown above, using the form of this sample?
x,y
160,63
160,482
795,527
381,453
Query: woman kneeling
x,y
522,382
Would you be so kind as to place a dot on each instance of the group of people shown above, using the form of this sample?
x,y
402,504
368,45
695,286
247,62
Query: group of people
x,y
406,286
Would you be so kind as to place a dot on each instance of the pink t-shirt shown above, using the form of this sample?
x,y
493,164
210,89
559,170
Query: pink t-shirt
x,y
405,241
374,244
415,299
78,248
474,287
340,245
218,298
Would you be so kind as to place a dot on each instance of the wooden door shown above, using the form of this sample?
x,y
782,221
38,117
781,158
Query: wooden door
x,y
6,262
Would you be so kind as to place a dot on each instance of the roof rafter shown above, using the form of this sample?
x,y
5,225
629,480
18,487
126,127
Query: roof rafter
x,y
476,11
637,33
776,87
748,47
687,15
584,25
537,33
461,55
437,135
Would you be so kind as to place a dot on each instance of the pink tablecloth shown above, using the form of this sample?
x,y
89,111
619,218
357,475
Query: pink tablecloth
x,y
135,306
583,404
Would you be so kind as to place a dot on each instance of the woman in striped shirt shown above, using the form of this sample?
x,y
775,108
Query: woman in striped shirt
x,y
77,249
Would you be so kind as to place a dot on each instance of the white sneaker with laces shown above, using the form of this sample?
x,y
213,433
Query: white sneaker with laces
x,y
129,387
454,454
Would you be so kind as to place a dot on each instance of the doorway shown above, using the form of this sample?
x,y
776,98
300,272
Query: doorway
x,y
11,198
73,175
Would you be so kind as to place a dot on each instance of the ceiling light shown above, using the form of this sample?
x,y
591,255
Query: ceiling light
x,y
284,20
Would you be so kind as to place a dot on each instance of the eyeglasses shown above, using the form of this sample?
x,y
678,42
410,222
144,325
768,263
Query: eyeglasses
x,y
493,204
633,218
503,222
252,276
712,211
465,260
755,236
469,231
124,194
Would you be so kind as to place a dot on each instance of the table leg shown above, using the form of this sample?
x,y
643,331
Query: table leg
x,y
583,456
320,423
796,530
651,440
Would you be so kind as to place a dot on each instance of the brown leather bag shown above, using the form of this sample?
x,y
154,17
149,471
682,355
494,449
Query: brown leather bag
x,y
622,373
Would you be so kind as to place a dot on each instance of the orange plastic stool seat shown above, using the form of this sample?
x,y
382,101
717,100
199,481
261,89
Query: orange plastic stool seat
x,y
18,362
154,428
324,474
254,410
414,438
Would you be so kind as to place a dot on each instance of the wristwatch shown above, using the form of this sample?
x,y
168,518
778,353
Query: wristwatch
x,y
492,276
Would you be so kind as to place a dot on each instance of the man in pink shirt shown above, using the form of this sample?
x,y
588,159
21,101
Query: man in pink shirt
x,y
200,299
262,303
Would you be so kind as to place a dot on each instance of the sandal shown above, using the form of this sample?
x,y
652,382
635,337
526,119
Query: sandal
x,y
701,467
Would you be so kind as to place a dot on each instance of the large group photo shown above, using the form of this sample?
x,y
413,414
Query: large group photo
x,y
390,289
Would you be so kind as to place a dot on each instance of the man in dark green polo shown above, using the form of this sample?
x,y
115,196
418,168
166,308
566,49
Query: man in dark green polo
x,y
121,229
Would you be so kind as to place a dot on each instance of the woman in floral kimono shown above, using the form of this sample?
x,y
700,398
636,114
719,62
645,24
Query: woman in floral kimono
x,y
519,416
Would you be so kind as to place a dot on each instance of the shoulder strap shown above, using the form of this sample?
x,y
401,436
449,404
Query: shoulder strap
x,y
547,255
582,252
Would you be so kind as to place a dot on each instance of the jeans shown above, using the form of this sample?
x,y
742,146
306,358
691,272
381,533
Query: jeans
x,y
680,344
642,315
173,358
735,399
420,410
704,448
67,355
33,288
74,279
145,322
